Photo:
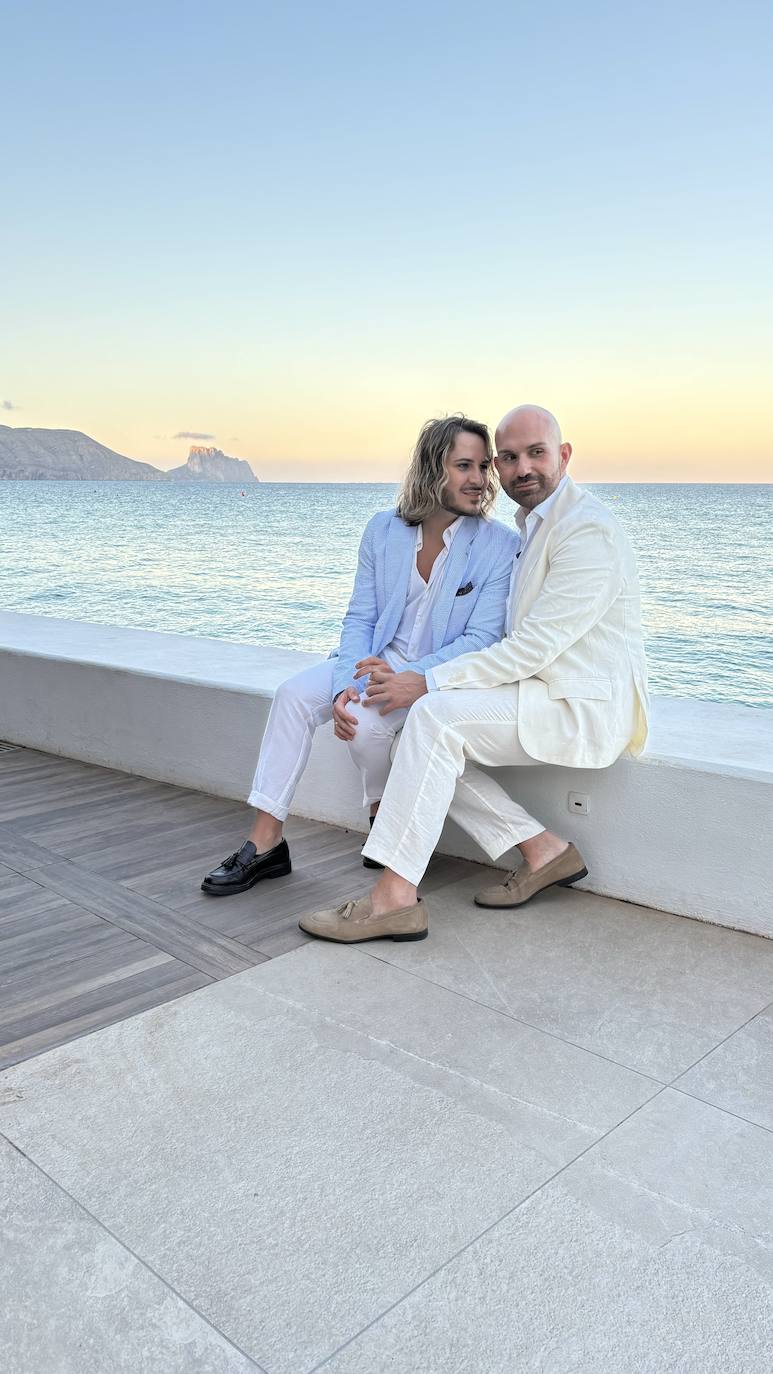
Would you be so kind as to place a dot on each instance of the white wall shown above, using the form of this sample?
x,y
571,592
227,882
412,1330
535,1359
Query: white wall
x,y
686,828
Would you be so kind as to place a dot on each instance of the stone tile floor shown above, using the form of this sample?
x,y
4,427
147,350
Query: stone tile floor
x,y
537,1141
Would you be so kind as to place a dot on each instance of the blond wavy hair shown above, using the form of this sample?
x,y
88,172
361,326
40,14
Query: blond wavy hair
x,y
427,475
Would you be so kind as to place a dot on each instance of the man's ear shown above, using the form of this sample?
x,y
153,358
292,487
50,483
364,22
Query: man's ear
x,y
566,453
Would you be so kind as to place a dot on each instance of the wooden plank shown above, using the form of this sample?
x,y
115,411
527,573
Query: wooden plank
x,y
75,833
38,799
269,905
102,1005
20,854
155,846
34,946
21,897
183,938
101,912
65,971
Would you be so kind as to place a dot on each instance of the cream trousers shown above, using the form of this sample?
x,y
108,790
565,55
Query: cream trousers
x,y
434,775
300,704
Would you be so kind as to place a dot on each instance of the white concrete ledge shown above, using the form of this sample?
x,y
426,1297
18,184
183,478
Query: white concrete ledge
x,y
685,829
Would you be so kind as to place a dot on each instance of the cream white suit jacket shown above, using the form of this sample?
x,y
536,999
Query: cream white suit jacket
x,y
575,643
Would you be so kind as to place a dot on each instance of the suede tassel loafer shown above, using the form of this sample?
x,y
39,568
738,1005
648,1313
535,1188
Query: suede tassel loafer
x,y
245,868
354,922
519,887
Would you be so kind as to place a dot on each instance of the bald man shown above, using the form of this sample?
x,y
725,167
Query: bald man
x,y
566,686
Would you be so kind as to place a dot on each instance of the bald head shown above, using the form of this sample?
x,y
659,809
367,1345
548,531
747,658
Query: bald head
x,y
531,455
536,417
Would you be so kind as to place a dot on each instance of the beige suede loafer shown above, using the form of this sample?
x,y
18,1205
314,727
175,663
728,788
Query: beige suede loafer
x,y
353,922
519,887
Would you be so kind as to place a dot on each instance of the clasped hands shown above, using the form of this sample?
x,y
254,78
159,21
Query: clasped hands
x,y
386,690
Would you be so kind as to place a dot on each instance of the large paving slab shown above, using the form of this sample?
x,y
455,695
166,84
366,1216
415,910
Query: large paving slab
x,y
295,1148
652,1253
649,990
75,1301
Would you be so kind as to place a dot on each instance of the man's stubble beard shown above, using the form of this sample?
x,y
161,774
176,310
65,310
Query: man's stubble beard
x,y
457,510
535,497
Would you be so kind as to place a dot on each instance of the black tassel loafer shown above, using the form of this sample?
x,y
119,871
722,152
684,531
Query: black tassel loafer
x,y
245,868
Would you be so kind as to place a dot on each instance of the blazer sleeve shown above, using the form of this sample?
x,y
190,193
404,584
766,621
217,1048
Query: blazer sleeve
x,y
487,620
584,578
359,622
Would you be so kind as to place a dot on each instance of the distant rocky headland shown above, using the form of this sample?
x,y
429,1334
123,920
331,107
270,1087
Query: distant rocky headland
x,y
211,465
39,455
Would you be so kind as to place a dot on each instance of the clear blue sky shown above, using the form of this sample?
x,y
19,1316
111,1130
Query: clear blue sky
x,y
303,230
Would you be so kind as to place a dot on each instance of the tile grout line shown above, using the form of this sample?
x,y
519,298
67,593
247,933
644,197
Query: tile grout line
x,y
718,1046
486,1231
693,1097
499,1011
665,1082
124,1246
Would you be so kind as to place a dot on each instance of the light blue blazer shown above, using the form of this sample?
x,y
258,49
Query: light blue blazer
x,y
481,554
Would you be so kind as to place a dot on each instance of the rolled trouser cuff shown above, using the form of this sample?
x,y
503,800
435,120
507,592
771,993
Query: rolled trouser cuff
x,y
264,803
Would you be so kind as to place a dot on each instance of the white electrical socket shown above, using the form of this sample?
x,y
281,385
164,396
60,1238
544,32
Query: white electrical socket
x,y
579,803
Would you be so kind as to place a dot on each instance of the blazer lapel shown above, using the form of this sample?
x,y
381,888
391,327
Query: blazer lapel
x,y
398,558
453,572
533,556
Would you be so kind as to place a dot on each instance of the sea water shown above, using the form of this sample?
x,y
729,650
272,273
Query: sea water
x,y
274,563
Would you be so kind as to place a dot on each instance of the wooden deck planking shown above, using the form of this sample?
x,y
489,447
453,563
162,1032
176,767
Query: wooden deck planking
x,y
65,971
206,950
101,912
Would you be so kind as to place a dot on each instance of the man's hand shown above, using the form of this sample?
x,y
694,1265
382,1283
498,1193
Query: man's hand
x,y
389,691
369,665
344,723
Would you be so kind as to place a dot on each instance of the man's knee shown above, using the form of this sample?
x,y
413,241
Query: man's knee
x,y
370,728
293,696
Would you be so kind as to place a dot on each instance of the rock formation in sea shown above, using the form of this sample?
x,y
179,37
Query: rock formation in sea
x,y
212,465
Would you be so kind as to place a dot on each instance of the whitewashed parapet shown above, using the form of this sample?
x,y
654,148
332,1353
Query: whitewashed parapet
x,y
685,829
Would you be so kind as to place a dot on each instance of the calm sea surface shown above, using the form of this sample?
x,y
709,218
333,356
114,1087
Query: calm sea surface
x,y
275,566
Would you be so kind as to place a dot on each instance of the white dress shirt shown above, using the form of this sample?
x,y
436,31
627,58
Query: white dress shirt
x,y
528,523
413,636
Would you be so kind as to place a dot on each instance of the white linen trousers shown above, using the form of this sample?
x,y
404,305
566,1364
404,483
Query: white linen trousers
x,y
434,775
300,704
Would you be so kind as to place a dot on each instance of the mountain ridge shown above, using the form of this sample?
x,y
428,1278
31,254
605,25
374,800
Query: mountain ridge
x,y
29,454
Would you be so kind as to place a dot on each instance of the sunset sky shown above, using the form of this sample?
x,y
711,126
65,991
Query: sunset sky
x,y
301,230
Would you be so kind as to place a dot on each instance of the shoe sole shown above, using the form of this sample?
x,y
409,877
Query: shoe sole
x,y
511,906
371,863
417,935
279,871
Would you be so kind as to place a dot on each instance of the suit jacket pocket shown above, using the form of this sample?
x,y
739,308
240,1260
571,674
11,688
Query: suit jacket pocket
x,y
590,688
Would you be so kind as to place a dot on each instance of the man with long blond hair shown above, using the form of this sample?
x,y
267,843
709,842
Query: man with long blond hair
x,y
431,583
